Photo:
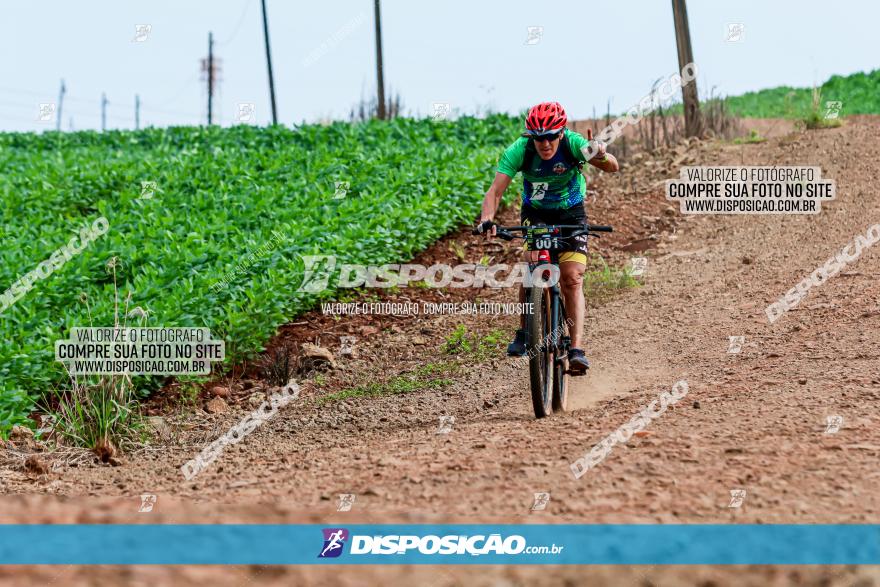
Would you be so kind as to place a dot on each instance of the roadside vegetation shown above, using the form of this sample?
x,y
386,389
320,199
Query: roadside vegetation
x,y
602,281
424,378
472,346
192,212
858,93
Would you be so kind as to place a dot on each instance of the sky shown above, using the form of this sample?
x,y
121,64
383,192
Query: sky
x,y
475,56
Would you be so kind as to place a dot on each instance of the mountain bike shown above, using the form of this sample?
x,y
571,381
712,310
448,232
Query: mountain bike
x,y
548,339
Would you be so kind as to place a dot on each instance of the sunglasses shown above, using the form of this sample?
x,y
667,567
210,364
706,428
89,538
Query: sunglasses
x,y
547,137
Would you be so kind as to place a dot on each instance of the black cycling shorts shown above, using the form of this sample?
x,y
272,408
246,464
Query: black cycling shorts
x,y
574,250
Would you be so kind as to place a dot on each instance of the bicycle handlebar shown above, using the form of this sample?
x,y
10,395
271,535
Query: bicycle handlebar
x,y
505,231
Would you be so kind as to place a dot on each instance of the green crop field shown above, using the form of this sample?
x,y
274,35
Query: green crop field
x,y
220,195
858,93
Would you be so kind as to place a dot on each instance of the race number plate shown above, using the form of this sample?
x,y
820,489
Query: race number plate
x,y
541,239
547,242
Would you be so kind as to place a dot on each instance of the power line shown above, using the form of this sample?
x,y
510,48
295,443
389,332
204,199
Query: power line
x,y
76,112
238,25
213,66
97,102
21,119
184,87
18,91
30,105
172,112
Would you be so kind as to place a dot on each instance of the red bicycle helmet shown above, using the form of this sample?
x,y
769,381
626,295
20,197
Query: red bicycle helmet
x,y
545,118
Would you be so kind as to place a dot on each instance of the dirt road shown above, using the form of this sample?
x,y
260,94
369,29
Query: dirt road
x,y
755,421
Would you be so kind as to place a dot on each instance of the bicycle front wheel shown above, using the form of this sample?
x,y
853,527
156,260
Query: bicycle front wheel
x,y
540,352
560,379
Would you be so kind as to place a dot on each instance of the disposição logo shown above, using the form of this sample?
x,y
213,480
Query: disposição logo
x,y
334,541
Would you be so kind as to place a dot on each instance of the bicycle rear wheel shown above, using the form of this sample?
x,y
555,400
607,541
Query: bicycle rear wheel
x,y
541,371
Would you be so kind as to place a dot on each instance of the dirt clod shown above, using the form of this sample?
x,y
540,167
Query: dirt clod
x,y
217,405
105,450
35,465
313,357
220,391
159,427
20,433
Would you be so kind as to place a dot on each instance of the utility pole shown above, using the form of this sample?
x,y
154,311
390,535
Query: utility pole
x,y
210,77
380,79
60,103
269,64
210,69
685,56
104,103
137,112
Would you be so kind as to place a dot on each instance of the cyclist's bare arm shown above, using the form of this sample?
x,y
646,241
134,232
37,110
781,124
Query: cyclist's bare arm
x,y
603,160
493,197
609,163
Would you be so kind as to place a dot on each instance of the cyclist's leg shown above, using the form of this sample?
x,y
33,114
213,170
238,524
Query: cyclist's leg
x,y
571,278
572,264
571,281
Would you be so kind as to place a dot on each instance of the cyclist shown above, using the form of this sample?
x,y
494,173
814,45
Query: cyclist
x,y
553,193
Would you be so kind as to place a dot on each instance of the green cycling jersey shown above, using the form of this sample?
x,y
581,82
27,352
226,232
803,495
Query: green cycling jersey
x,y
552,184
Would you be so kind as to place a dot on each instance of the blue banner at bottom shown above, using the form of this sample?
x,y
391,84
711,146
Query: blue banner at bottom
x,y
445,544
